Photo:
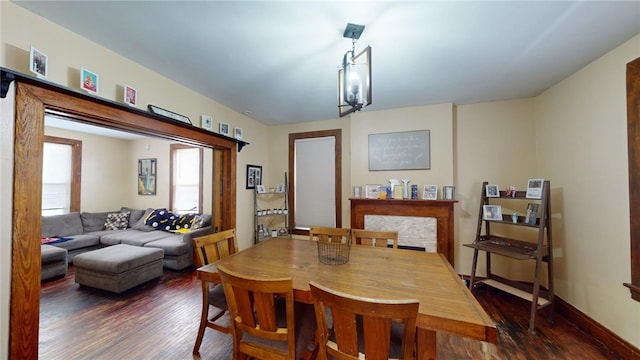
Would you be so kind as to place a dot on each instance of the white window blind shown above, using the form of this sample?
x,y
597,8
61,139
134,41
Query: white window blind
x,y
315,182
56,179
186,181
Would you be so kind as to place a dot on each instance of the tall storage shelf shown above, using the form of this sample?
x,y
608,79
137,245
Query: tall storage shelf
x,y
271,212
540,251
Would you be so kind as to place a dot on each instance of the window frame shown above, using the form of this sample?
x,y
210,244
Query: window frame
x,y
173,149
76,169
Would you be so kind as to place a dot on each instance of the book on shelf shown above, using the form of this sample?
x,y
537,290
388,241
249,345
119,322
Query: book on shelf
x,y
531,214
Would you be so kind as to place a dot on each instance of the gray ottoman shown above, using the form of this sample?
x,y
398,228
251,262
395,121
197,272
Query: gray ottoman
x,y
119,267
54,262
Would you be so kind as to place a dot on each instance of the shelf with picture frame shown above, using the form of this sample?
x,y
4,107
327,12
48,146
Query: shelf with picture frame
x,y
536,215
271,214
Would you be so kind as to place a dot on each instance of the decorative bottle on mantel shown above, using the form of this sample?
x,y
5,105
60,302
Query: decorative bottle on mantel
x,y
393,183
405,188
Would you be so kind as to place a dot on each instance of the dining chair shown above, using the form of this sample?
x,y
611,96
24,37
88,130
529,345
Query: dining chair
x,y
362,327
208,249
377,238
255,311
329,234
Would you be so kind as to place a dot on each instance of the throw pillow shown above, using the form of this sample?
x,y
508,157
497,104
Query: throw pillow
x,y
141,224
161,219
198,222
117,221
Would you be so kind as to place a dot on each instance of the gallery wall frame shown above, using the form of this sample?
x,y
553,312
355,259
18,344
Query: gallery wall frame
x,y
147,171
254,176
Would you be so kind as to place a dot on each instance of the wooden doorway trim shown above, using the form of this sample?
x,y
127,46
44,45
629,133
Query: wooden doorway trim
x,y
31,102
633,141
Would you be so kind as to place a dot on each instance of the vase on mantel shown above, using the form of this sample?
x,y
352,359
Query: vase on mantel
x,y
405,188
393,183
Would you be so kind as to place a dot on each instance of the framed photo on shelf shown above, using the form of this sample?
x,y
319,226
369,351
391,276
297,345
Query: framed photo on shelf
x,y
38,63
254,176
449,192
260,189
206,122
430,192
169,114
491,212
89,81
534,188
492,191
224,128
130,96
531,214
280,188
237,133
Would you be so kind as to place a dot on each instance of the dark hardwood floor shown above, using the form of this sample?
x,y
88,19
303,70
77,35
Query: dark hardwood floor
x,y
159,320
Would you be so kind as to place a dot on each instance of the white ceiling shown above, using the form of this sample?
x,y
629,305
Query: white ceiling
x,y
277,61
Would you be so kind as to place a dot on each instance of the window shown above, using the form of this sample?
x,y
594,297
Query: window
x,y
316,180
186,179
61,163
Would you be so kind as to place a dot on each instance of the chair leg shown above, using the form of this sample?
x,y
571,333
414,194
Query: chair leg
x,y
203,319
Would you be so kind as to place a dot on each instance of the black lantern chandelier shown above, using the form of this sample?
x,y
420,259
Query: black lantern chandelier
x,y
354,76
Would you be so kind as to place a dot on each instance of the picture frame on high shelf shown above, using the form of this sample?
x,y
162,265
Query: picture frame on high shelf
x,y
130,96
491,212
531,214
224,128
237,133
169,114
89,81
38,63
147,176
280,188
261,189
492,191
254,176
206,122
430,192
534,188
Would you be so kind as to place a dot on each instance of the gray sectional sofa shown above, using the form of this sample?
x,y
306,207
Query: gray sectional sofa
x,y
85,231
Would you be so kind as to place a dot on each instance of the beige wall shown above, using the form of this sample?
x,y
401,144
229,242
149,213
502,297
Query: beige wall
x,y
573,134
581,134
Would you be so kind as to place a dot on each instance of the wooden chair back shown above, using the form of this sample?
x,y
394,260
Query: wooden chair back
x,y
208,249
376,238
252,309
213,247
373,342
328,234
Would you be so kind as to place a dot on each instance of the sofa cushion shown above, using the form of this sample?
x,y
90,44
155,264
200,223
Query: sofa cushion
x,y
117,221
141,224
94,221
135,216
172,245
79,242
62,225
132,237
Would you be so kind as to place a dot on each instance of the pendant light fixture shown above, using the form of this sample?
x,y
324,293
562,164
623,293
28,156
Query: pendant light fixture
x,y
354,76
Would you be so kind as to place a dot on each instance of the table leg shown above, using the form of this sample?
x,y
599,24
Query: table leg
x,y
425,344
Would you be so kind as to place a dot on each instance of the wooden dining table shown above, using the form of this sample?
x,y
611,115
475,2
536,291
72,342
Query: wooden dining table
x,y
446,304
